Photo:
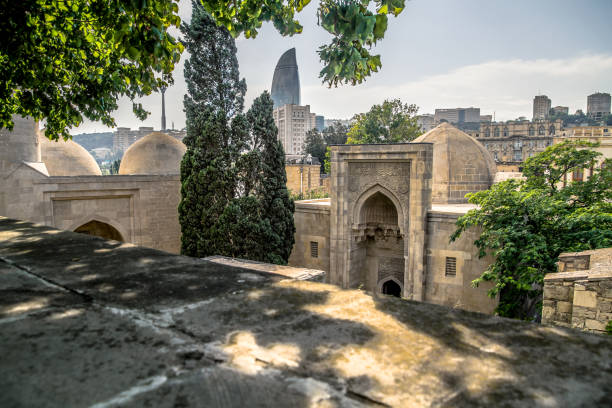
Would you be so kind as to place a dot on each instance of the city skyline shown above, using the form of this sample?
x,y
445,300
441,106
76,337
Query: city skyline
x,y
492,65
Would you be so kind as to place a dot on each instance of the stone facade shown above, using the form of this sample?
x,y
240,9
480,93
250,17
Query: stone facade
x,y
305,179
293,122
511,143
385,231
140,209
580,294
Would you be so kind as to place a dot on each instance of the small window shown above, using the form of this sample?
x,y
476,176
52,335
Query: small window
x,y
451,266
314,249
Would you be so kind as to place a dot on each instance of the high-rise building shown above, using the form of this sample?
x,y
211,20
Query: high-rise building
x,y
320,122
333,122
286,81
541,107
458,115
598,105
293,122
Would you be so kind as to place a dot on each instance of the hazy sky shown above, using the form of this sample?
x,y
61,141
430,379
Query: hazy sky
x,y
491,54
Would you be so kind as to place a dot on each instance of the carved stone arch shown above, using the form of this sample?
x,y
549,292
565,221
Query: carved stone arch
x,y
103,220
381,284
363,198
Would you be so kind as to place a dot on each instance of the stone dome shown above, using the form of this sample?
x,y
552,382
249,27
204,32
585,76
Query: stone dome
x,y
67,158
156,153
461,164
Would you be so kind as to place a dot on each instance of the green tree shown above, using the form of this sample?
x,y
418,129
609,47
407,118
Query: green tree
x,y
276,206
115,165
216,133
526,224
390,122
355,27
63,60
317,143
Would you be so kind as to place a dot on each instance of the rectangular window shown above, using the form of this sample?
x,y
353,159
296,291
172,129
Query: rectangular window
x,y
314,249
451,266
578,175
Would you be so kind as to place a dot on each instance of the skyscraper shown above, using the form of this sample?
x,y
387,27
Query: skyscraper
x,y
541,107
286,81
598,105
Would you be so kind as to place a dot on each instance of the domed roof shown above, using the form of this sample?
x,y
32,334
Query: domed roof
x,y
156,153
67,158
461,164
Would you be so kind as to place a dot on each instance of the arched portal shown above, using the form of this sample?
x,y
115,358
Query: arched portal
x,y
391,288
100,229
379,242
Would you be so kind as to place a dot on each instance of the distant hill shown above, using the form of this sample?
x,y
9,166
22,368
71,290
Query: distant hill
x,y
94,140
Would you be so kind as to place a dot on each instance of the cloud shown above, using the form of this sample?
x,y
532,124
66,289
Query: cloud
x,y
506,87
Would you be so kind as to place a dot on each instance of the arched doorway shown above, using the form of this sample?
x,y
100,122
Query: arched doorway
x,y
391,288
100,229
381,244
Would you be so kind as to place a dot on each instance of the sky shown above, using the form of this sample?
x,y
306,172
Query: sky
x,y
492,54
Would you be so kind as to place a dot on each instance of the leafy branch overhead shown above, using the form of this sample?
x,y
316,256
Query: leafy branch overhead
x,y
354,27
63,60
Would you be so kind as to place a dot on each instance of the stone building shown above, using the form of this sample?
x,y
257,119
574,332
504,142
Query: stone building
x,y
594,134
541,107
59,184
391,211
124,137
305,179
512,142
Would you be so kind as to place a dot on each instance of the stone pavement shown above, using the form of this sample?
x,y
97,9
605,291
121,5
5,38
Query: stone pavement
x,y
87,322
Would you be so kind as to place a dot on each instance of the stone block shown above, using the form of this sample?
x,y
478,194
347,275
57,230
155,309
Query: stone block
x,y
548,314
556,292
585,299
564,307
595,325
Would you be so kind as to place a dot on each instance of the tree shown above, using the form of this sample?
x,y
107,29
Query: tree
x,y
276,207
317,143
314,145
234,200
216,133
352,24
526,224
62,60
390,122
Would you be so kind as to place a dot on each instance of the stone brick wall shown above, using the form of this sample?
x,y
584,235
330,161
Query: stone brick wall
x,y
580,294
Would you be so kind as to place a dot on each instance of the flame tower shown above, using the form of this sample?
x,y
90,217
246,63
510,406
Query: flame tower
x,y
286,81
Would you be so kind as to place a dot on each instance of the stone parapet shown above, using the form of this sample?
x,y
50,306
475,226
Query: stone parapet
x,y
581,299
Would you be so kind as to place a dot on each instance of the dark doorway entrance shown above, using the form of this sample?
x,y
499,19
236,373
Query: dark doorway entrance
x,y
100,229
391,288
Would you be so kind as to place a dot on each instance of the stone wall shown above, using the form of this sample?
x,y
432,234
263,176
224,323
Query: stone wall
x,y
580,294
305,178
311,229
443,287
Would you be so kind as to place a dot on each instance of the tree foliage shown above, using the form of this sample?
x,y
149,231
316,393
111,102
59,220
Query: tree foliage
x,y
63,60
234,201
390,122
317,143
355,27
526,224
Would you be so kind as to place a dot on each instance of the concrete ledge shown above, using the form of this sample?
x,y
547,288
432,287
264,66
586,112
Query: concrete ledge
x,y
290,272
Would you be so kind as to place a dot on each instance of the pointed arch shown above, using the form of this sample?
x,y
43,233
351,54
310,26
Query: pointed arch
x,y
100,226
389,286
358,212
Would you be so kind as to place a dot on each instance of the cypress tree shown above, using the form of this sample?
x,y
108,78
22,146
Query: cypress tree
x,y
216,131
276,207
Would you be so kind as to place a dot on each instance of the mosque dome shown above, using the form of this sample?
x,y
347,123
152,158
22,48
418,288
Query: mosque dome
x,y
156,153
461,164
67,158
